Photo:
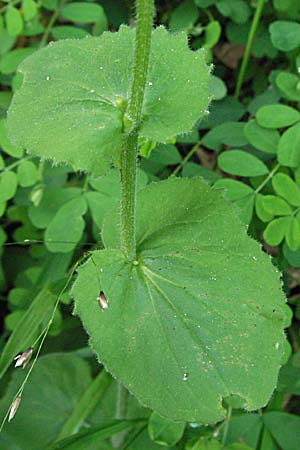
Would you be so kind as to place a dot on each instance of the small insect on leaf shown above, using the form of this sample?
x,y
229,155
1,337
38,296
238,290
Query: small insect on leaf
x,y
22,359
14,407
102,301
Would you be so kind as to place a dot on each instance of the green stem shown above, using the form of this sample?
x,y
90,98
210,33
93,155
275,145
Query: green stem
x,y
133,116
186,158
262,185
12,3
51,22
121,410
227,421
15,164
48,28
254,25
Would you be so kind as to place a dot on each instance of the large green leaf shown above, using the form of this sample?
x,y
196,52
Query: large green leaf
x,y
80,89
197,317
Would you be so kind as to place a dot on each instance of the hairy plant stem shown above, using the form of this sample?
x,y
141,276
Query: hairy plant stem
x,y
254,25
144,11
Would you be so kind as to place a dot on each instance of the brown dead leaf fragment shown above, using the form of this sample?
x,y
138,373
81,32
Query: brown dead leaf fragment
x,y
229,54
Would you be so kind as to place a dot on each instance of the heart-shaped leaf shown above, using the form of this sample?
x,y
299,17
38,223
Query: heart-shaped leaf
x,y
81,88
197,317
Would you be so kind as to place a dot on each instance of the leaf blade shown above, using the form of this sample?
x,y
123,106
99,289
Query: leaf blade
x,y
162,302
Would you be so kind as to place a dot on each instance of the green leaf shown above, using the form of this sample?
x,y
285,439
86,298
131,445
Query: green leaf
x,y
6,42
228,133
275,206
238,10
260,210
267,441
286,188
166,155
29,9
204,3
235,190
24,335
275,231
238,162
8,185
217,88
5,99
285,35
261,138
83,440
292,235
191,169
227,109
285,428
10,61
212,34
164,431
6,144
289,377
50,4
31,28
203,443
79,111
66,377
245,428
81,12
268,97
277,116
241,194
65,229
262,46
27,173
90,399
19,297
293,258
183,16
290,8
68,32
164,301
14,22
288,83
13,319
289,147
52,200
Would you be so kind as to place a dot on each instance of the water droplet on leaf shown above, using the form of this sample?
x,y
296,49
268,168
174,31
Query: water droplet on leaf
x,y
185,376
